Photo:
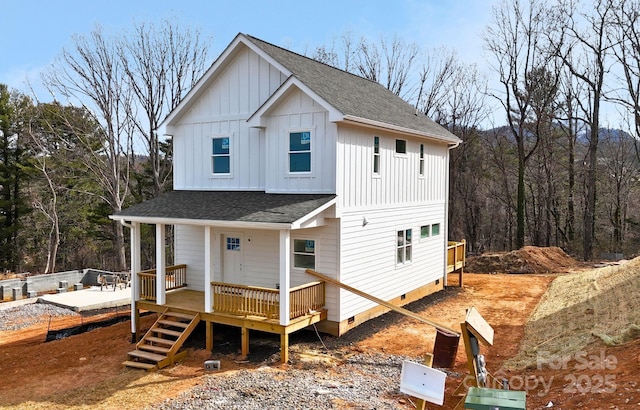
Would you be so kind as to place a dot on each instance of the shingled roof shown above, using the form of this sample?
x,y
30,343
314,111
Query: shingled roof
x,y
353,95
243,206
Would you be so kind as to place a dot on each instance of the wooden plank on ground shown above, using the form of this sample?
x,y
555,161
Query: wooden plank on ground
x,y
382,302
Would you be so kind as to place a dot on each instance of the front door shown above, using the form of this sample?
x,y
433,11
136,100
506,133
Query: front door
x,y
232,258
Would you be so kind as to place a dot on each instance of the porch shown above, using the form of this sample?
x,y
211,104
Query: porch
x,y
247,307
456,258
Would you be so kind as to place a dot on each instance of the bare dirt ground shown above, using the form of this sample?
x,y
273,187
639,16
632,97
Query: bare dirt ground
x,y
84,371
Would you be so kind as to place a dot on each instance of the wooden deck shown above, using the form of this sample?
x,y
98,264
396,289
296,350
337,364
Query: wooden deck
x,y
191,301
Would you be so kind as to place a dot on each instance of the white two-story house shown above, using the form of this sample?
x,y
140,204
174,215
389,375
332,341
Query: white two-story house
x,y
284,164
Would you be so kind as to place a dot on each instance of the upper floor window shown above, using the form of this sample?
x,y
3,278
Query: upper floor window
x,y
376,155
401,146
403,247
300,151
421,165
220,156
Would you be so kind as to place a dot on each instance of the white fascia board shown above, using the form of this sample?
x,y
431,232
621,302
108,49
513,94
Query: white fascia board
x,y
300,223
257,118
395,128
213,71
202,222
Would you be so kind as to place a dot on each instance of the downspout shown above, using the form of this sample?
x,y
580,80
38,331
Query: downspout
x,y
446,214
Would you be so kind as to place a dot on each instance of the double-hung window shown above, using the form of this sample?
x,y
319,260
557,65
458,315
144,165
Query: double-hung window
x,y
403,247
304,253
300,151
421,165
221,155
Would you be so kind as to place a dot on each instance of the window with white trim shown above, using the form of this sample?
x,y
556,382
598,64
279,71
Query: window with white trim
x,y
300,151
401,146
425,231
220,155
403,247
421,164
304,253
376,155
435,229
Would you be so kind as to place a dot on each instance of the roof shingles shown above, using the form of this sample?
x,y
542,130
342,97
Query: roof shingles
x,y
243,206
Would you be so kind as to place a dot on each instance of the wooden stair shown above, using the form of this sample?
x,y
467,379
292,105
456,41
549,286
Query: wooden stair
x,y
161,344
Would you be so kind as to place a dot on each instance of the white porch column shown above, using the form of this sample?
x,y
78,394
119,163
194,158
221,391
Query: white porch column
x,y
135,268
161,265
285,275
208,270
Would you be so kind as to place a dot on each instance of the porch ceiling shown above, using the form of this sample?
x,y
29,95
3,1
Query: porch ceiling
x,y
227,207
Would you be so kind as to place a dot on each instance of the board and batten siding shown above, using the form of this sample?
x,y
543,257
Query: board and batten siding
x,y
398,182
299,112
368,254
244,84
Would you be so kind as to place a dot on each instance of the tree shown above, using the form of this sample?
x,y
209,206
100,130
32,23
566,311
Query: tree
x,y
585,52
515,39
93,74
54,141
626,27
161,62
14,173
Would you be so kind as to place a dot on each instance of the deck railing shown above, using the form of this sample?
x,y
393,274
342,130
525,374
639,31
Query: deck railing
x,y
305,298
456,253
175,278
265,302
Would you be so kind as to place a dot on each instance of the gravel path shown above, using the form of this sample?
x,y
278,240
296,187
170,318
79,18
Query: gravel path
x,y
24,316
360,381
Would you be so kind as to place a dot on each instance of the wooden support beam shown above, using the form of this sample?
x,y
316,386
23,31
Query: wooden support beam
x,y
209,337
383,303
245,343
284,348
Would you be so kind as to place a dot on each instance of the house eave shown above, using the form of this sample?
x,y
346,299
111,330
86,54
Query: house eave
x,y
257,118
360,121
203,222
314,218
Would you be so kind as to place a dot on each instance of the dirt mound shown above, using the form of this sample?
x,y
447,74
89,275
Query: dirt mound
x,y
529,259
582,308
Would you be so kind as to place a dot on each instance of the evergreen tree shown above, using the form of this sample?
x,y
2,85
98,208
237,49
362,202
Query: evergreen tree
x,y
14,172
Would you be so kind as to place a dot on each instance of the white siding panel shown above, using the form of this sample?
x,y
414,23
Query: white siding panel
x,y
398,182
368,254
242,87
299,112
327,261
190,251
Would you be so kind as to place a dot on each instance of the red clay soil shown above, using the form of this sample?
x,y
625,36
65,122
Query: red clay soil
x,y
529,259
84,371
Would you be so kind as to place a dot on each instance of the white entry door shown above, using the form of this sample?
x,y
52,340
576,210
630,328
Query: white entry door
x,y
232,258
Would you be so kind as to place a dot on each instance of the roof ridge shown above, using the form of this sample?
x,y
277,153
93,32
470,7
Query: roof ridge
x,y
311,59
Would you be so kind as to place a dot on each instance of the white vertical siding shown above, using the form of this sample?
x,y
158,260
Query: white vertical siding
x,y
244,85
398,182
299,112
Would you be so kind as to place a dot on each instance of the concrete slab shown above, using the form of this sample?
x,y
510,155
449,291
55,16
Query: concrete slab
x,y
90,299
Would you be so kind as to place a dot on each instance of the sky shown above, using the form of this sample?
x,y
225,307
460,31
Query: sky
x,y
36,31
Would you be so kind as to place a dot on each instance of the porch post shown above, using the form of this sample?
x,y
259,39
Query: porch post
x,y
161,262
135,280
285,275
208,271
